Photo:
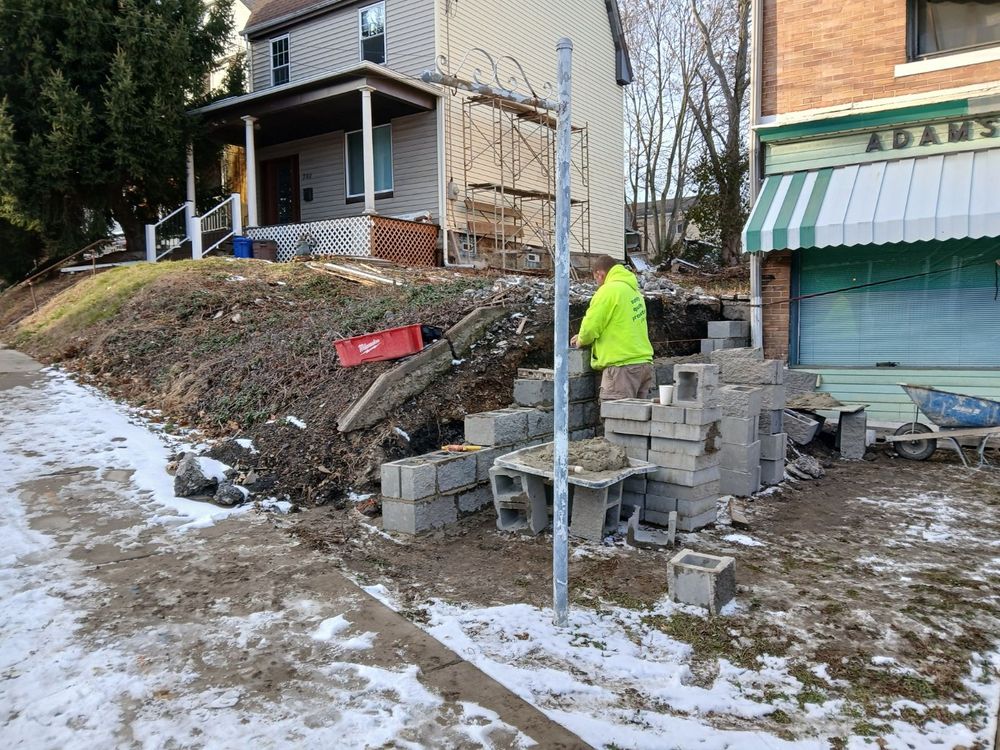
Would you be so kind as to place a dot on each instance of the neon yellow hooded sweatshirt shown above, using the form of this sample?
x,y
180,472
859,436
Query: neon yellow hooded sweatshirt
x,y
615,324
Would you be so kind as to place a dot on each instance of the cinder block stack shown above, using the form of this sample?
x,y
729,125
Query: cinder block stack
x,y
726,334
434,490
682,439
741,446
747,367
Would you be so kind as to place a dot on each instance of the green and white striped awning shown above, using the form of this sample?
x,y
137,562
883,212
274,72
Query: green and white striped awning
x,y
943,197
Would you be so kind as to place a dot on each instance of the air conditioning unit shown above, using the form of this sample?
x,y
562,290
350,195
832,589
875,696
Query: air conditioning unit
x,y
532,260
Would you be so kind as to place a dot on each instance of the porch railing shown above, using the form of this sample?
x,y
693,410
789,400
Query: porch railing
x,y
224,219
408,243
168,234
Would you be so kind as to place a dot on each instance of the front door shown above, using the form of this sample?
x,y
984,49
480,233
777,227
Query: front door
x,y
280,190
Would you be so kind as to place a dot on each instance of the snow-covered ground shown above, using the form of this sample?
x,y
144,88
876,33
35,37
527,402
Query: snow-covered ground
x,y
83,481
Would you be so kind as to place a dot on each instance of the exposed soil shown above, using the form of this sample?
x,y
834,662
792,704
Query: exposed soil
x,y
882,559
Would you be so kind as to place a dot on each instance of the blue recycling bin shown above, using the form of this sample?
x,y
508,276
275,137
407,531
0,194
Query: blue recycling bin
x,y
243,247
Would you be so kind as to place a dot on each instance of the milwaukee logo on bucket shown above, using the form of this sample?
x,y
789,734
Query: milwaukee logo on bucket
x,y
380,345
370,346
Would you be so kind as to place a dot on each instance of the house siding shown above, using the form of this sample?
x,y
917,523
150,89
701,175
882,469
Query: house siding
x,y
331,42
322,168
527,32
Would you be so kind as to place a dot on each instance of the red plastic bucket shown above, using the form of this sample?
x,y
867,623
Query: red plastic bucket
x,y
375,347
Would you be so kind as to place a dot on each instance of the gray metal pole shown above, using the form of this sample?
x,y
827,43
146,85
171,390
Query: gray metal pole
x,y
560,525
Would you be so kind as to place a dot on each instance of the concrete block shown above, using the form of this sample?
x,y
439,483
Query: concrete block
x,y
695,508
596,513
738,431
742,458
636,409
702,417
660,503
852,437
684,461
583,387
671,414
800,381
751,372
659,518
689,523
485,459
584,414
727,355
771,422
500,427
680,492
475,500
453,470
773,447
734,343
726,329
739,483
800,428
640,454
772,472
702,580
586,433
578,361
631,501
742,401
628,441
695,385
635,484
417,478
663,371
423,515
707,346
531,392
540,423
711,444
691,432
772,397
626,427
686,478
390,480
519,499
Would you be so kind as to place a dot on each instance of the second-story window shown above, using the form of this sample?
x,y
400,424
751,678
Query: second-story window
x,y
280,68
373,33
941,26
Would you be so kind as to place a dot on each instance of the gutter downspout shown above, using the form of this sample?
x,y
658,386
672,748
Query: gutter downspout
x,y
756,259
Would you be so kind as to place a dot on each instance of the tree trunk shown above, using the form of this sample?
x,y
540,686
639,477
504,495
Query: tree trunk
x,y
133,227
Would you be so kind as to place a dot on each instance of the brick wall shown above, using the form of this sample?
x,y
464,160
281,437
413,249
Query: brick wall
x,y
822,54
776,286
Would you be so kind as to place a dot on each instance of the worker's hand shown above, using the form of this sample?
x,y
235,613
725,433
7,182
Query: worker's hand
x,y
575,342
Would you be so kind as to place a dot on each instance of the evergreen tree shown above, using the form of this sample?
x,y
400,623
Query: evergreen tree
x,y
93,101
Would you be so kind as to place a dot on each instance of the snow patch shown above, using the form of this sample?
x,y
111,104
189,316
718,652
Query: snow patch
x,y
295,421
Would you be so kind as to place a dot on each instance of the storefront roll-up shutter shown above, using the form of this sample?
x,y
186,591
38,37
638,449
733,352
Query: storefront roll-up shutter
x,y
946,319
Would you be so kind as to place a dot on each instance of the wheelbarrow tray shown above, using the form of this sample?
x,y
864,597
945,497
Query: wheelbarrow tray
x,y
953,410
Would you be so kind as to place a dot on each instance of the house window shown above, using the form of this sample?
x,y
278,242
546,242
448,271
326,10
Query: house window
x,y
373,33
279,61
942,26
382,138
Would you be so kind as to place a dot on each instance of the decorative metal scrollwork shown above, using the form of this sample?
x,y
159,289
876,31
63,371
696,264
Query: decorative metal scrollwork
x,y
503,75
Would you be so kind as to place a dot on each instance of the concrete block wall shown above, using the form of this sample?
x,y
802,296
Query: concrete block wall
x,y
434,490
726,334
683,440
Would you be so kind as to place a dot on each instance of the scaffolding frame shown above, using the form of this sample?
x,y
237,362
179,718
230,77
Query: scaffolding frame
x,y
514,214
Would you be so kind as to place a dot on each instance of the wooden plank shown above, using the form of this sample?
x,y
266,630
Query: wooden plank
x,y
484,209
489,229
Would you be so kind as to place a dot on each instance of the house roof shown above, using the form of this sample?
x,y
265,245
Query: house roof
x,y
623,62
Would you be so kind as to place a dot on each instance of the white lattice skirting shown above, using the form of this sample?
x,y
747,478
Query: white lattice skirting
x,y
350,237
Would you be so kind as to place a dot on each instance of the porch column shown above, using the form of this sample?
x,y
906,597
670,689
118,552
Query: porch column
x,y
190,173
368,145
251,170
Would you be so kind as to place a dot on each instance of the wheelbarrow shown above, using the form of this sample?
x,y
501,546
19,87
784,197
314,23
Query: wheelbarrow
x,y
956,415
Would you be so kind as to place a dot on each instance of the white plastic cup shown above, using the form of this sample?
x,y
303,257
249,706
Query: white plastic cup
x,y
666,394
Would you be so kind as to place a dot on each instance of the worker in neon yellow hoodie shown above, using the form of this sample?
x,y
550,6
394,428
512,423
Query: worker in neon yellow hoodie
x,y
615,329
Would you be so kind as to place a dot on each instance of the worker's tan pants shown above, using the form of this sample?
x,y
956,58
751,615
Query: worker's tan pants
x,y
627,381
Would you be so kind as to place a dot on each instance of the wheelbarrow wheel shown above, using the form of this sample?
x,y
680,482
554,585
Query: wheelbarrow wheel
x,y
915,450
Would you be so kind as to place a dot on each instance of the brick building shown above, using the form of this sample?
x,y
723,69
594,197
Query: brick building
x,y
876,158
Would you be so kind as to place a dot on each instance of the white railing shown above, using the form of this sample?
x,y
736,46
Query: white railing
x,y
225,216
168,234
351,236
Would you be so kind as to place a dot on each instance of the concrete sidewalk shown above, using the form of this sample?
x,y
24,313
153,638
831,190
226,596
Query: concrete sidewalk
x,y
214,637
